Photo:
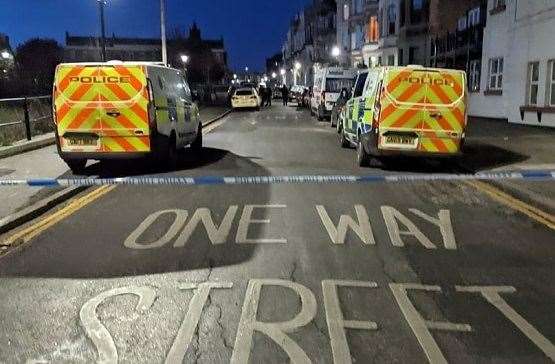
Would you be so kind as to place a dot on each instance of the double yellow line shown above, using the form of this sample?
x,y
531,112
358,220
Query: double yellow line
x,y
536,214
25,235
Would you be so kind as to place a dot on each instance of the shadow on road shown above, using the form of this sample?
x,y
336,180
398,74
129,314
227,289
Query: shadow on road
x,y
480,156
90,243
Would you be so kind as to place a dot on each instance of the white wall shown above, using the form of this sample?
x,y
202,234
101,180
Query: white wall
x,y
521,34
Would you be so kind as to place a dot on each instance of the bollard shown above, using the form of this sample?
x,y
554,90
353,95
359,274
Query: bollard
x,y
27,120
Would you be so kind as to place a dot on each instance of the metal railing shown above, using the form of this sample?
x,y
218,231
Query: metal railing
x,y
23,104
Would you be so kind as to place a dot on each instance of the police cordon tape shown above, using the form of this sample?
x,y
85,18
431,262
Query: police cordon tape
x,y
535,175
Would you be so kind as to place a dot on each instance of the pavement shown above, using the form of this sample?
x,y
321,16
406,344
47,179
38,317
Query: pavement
x,y
25,161
390,272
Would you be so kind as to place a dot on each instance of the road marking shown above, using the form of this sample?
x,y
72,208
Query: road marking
x,y
492,295
190,321
338,234
336,320
23,236
246,220
277,331
97,332
421,327
37,228
534,213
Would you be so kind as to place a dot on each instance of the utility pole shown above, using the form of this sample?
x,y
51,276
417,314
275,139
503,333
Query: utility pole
x,y
101,4
163,31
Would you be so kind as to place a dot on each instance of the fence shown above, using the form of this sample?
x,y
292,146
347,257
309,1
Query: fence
x,y
25,117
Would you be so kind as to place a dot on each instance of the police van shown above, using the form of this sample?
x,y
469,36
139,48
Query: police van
x,y
328,83
122,110
406,111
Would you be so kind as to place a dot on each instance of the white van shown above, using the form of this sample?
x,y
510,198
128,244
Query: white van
x,y
328,83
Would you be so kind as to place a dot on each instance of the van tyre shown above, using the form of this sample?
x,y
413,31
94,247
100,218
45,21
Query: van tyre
x,y
172,155
343,139
77,166
196,145
363,158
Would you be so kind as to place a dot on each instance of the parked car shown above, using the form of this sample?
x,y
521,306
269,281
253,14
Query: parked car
x,y
296,93
246,98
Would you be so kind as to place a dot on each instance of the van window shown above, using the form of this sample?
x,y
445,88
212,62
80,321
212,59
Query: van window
x,y
186,91
371,83
337,84
359,87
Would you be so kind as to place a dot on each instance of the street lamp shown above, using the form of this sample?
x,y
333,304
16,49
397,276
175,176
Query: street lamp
x,y
283,72
5,54
274,75
335,52
185,59
295,70
101,4
234,76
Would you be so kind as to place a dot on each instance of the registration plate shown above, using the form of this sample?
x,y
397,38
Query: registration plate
x,y
400,139
82,140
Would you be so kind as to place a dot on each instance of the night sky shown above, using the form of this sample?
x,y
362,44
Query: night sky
x,y
252,29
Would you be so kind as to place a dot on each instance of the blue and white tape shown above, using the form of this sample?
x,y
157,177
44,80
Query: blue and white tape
x,y
534,175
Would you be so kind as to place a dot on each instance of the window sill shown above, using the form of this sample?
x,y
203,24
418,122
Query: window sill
x,y
542,109
493,92
498,10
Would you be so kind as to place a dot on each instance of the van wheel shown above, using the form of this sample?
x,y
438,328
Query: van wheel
x,y
363,158
77,166
343,139
171,153
196,145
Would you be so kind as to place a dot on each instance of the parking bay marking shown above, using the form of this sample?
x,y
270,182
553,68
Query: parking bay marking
x,y
278,331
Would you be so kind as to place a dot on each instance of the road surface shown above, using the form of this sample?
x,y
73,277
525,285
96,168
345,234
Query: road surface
x,y
396,272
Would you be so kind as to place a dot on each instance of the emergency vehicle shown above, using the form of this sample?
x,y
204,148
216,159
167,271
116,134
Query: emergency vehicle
x,y
328,83
405,111
121,110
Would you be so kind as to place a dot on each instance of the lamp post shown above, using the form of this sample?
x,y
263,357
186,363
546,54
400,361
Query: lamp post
x,y
336,53
163,31
283,73
185,60
101,4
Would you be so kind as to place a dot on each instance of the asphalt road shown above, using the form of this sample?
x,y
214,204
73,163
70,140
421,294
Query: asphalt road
x,y
397,272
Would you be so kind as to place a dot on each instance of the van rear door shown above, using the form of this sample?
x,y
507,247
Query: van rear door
x,y
423,110
102,108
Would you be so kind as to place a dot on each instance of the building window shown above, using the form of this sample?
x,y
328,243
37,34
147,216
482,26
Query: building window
x,y
495,79
372,35
401,57
413,55
474,76
533,83
346,12
417,4
391,60
551,83
461,24
474,17
391,18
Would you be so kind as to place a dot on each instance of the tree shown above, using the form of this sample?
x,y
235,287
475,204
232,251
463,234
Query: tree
x,y
36,61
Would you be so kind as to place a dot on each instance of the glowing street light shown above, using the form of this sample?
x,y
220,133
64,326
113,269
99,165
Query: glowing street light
x,y
235,76
282,72
298,66
274,75
5,55
184,59
335,52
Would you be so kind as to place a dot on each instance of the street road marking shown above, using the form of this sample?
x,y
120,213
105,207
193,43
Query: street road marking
x,y
32,231
336,321
530,211
95,330
420,327
246,220
277,331
391,216
177,224
338,234
492,295
191,319
216,235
